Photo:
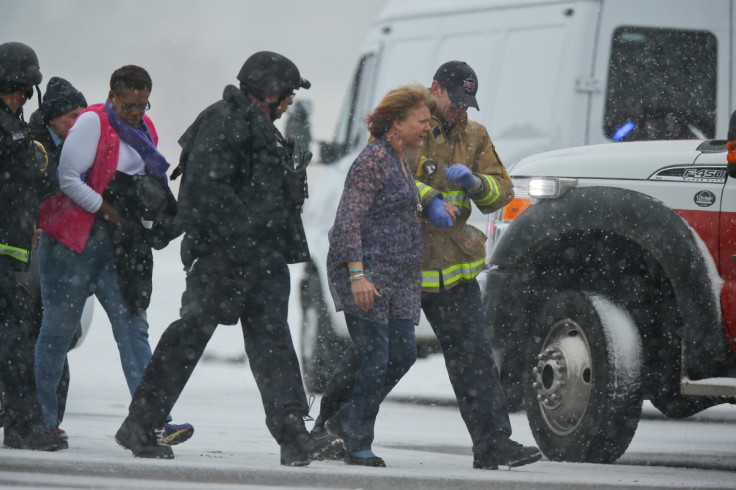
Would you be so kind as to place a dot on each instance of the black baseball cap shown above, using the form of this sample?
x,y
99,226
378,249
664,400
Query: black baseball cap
x,y
460,82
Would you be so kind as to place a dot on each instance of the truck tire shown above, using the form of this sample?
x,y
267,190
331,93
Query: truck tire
x,y
584,399
321,349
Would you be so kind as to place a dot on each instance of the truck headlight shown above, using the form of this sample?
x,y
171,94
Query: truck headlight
x,y
549,187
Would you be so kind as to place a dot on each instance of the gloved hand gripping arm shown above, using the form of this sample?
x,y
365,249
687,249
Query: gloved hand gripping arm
x,y
441,214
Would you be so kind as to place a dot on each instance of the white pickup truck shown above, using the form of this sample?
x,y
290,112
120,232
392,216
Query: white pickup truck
x,y
612,279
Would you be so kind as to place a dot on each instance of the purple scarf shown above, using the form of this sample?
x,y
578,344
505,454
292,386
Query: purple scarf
x,y
140,140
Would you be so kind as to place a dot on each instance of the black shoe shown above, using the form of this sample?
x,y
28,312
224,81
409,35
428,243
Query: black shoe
x,y
319,433
142,442
507,453
374,461
61,434
299,448
38,441
334,426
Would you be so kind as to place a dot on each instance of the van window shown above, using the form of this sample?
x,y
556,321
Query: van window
x,y
351,129
661,85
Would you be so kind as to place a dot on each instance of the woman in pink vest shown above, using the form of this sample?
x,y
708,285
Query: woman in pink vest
x,y
98,235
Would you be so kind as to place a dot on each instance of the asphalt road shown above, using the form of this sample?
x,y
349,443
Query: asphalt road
x,y
425,447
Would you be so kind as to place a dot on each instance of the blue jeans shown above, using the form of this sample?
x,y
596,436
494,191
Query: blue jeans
x,y
67,277
458,321
385,353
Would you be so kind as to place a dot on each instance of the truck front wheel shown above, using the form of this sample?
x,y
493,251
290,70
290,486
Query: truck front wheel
x,y
584,396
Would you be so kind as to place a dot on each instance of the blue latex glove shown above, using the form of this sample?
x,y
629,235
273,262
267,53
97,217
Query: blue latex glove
x,y
461,174
437,214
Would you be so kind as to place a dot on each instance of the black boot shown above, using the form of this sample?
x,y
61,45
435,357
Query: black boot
x,y
507,453
299,448
142,442
373,461
320,433
38,440
334,426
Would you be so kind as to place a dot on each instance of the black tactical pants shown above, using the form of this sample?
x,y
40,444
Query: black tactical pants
x,y
219,293
458,321
17,343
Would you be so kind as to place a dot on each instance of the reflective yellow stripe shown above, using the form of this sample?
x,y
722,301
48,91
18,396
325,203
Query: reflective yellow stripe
x,y
464,271
458,198
15,252
430,279
493,192
424,189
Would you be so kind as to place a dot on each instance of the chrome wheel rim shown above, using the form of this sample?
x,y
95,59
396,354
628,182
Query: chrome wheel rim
x,y
563,376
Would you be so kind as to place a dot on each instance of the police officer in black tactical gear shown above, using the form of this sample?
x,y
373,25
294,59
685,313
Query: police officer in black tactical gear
x,y
240,205
21,170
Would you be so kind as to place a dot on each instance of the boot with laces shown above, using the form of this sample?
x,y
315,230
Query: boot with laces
x,y
507,453
299,447
319,433
141,442
37,440
334,426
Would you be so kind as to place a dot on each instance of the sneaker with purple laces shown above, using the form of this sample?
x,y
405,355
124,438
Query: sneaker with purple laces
x,y
172,434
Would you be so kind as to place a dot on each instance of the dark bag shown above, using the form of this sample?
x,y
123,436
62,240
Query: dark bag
x,y
150,207
147,201
159,207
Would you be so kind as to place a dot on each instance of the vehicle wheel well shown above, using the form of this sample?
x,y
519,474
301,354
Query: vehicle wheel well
x,y
592,223
609,265
604,263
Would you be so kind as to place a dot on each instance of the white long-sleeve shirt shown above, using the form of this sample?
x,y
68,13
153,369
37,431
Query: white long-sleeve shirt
x,y
78,155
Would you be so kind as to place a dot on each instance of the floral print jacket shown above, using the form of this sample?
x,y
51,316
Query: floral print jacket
x,y
377,223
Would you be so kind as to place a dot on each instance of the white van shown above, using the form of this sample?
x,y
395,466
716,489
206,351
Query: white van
x,y
551,74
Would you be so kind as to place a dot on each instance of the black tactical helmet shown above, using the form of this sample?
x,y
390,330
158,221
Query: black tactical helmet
x,y
19,64
271,73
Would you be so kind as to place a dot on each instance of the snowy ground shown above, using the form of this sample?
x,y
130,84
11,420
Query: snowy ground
x,y
425,446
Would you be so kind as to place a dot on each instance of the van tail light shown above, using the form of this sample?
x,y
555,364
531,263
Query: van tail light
x,y
731,147
513,209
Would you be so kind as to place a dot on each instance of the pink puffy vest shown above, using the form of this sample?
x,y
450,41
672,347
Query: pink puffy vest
x,y
60,216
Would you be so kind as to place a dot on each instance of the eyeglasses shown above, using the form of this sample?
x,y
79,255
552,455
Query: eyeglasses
x,y
130,107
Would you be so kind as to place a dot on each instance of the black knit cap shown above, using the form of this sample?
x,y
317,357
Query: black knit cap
x,y
60,98
458,78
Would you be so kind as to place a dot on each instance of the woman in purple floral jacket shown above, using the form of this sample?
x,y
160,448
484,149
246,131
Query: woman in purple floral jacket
x,y
374,263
